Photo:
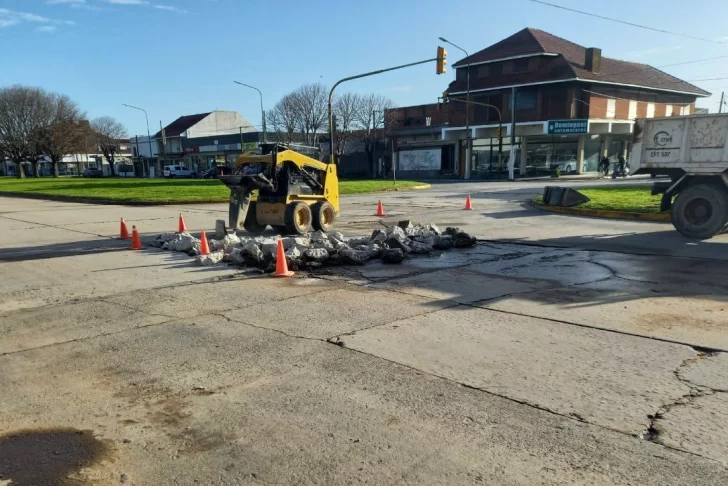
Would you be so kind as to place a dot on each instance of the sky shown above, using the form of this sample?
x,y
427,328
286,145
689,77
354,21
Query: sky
x,y
180,57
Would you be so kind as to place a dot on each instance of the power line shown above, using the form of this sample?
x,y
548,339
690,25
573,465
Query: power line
x,y
624,22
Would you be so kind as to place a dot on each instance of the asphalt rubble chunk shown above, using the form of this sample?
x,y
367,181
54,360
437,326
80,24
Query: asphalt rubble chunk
x,y
391,245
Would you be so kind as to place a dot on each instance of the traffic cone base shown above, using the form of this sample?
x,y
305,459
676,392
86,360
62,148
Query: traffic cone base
x,y
468,204
204,247
181,227
124,232
380,210
136,242
281,263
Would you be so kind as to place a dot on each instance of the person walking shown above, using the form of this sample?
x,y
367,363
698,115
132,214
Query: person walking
x,y
604,166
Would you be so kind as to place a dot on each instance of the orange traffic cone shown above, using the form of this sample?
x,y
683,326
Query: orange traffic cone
x,y
380,210
136,243
181,226
204,249
124,233
281,264
468,204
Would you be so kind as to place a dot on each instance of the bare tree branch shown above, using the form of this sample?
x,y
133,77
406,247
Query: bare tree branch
x,y
108,132
347,111
66,133
24,113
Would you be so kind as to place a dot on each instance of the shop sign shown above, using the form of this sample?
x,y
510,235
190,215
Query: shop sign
x,y
568,127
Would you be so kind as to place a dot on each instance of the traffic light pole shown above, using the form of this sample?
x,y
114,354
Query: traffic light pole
x,y
350,78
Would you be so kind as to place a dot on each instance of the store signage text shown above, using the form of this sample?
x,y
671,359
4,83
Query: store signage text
x,y
568,127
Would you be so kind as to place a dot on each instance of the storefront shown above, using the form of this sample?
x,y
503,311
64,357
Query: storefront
x,y
577,148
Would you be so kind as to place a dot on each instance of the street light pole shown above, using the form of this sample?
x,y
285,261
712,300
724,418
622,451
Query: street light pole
x,y
262,111
469,139
149,136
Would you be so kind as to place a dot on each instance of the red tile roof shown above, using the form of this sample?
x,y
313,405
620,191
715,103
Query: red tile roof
x,y
570,64
182,124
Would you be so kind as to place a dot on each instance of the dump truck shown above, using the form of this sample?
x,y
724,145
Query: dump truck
x,y
693,152
282,188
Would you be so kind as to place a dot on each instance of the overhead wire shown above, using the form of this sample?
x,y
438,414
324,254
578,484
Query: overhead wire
x,y
631,24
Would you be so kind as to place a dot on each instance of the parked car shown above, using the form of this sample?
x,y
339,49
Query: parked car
x,y
565,164
172,171
92,172
214,173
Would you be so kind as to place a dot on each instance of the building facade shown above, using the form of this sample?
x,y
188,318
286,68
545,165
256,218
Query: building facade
x,y
199,142
556,104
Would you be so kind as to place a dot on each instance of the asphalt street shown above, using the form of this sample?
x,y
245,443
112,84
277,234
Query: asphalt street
x,y
559,350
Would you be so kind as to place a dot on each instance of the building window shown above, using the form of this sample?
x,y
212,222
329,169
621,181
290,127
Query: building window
x,y
520,65
611,108
526,100
632,110
668,110
483,71
685,110
496,69
650,110
461,74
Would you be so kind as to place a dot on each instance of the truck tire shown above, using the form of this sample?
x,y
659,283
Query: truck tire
x,y
298,218
701,211
324,216
251,224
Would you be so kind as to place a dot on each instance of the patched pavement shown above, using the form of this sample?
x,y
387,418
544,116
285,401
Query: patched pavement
x,y
511,362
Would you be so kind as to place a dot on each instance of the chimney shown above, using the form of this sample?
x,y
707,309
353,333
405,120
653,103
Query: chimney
x,y
593,61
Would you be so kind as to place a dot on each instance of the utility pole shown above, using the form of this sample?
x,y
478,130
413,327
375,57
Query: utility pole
x,y
512,157
722,98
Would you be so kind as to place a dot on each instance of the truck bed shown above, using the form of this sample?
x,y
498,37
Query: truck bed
x,y
695,144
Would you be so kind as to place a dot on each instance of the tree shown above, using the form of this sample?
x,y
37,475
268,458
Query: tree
x,y
65,135
311,102
24,113
107,132
283,118
372,119
347,110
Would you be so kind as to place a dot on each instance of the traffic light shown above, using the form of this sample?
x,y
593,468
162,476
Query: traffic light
x,y
441,60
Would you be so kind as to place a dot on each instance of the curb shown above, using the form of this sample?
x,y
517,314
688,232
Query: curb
x,y
605,214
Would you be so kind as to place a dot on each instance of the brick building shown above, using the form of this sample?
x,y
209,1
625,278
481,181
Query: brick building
x,y
572,107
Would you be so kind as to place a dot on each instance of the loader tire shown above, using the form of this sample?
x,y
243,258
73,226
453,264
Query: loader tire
x,y
298,218
701,211
324,216
280,229
251,224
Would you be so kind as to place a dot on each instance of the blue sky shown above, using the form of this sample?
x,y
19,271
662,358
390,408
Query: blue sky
x,y
175,57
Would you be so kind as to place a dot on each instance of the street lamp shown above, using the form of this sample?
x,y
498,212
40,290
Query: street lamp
x,y
262,112
467,109
149,136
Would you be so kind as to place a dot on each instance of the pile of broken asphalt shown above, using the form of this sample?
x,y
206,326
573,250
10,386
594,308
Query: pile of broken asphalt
x,y
318,249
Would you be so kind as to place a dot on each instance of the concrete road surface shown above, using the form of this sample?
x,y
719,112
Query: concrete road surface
x,y
558,350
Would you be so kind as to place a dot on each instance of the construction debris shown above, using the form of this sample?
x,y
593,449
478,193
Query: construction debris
x,y
311,251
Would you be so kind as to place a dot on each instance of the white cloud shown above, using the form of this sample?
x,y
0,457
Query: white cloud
x,y
46,28
14,17
170,8
128,2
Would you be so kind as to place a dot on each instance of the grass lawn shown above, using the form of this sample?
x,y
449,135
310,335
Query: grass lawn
x,y
158,191
621,198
